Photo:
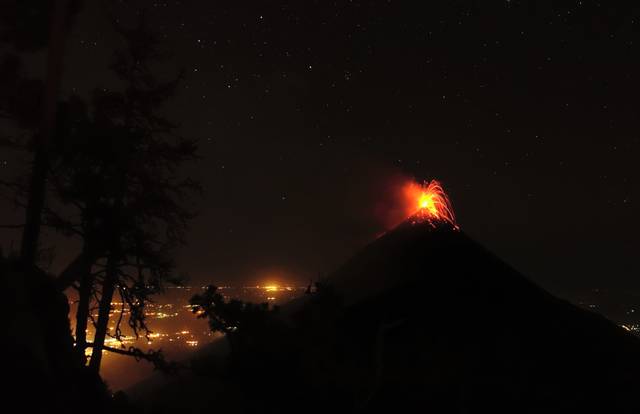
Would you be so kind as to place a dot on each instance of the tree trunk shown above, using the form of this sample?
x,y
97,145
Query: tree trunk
x,y
37,184
108,288
82,313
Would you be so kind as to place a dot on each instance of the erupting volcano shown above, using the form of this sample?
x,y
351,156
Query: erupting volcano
x,y
427,202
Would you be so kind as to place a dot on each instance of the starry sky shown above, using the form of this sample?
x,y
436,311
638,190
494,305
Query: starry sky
x,y
307,110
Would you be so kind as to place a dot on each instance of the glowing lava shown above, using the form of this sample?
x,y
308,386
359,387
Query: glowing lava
x,y
429,203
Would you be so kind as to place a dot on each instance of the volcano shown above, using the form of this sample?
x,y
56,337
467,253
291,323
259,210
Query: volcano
x,y
424,319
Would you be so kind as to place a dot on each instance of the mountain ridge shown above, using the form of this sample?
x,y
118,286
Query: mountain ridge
x,y
426,317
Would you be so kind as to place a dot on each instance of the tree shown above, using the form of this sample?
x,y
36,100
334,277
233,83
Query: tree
x,y
239,321
113,183
118,169
56,16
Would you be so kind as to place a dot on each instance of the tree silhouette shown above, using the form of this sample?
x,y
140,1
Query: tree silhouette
x,y
241,322
118,168
114,184
48,28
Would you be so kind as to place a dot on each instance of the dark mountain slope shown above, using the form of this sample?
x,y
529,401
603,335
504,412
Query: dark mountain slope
x,y
425,319
454,323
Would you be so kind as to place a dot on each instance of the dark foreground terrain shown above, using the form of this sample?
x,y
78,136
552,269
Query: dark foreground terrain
x,y
42,373
421,320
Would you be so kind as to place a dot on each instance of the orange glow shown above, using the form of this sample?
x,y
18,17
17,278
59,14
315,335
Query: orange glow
x,y
271,288
428,202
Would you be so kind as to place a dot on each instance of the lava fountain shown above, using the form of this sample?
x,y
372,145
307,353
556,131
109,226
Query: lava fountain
x,y
427,202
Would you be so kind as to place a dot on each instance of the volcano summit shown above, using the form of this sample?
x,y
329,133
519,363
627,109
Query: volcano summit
x,y
426,319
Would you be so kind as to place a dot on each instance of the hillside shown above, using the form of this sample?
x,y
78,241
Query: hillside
x,y
426,317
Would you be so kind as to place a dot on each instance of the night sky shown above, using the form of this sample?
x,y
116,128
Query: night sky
x,y
306,111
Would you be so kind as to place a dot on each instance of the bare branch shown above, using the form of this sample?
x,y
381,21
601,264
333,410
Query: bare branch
x,y
155,357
